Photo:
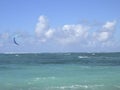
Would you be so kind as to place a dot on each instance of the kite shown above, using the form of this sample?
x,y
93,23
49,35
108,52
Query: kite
x,y
14,39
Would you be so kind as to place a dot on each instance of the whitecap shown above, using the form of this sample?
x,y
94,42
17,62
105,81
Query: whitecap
x,y
16,55
78,87
83,57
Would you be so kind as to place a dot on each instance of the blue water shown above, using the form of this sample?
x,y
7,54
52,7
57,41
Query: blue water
x,y
60,71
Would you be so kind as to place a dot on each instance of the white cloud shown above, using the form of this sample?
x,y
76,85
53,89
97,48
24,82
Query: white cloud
x,y
41,26
103,36
70,33
109,25
73,33
106,33
42,30
76,30
49,33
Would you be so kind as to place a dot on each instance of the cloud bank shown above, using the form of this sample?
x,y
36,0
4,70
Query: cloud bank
x,y
74,33
71,37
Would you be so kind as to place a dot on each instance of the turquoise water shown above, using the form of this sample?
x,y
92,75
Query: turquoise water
x,y
60,71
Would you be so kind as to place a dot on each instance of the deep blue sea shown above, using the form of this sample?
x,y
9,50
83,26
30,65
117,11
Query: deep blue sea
x,y
60,71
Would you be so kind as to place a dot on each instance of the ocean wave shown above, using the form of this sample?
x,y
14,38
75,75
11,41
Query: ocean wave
x,y
67,54
38,79
108,59
78,87
16,55
83,57
42,78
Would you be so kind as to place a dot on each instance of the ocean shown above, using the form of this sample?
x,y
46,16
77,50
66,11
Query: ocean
x,y
60,71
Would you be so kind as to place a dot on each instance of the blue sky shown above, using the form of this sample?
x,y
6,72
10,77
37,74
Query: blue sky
x,y
60,25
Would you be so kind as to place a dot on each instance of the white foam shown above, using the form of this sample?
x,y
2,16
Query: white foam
x,y
16,55
78,87
37,79
83,57
42,78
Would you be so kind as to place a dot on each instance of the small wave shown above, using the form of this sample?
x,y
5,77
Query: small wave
x,y
38,79
67,54
83,57
42,78
78,87
16,55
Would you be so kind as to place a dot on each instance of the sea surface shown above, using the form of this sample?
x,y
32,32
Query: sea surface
x,y
60,71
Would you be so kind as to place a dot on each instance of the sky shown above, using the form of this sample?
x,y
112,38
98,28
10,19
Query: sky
x,y
59,26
